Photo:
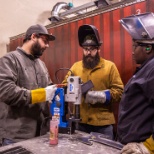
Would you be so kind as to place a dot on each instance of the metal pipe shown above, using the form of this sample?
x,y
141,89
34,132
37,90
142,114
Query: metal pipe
x,y
57,16
56,9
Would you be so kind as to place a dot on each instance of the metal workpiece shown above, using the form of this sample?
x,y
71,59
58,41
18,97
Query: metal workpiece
x,y
67,144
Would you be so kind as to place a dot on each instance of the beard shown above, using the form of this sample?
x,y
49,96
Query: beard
x,y
90,62
37,50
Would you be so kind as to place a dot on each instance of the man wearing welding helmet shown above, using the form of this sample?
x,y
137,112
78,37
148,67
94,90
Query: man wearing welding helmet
x,y
96,107
136,111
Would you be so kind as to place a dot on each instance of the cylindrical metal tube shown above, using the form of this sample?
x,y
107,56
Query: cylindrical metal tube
x,y
77,112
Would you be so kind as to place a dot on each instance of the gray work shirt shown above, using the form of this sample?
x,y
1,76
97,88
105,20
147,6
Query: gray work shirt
x,y
20,73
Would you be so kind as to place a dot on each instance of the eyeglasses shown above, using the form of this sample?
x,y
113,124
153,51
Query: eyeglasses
x,y
90,49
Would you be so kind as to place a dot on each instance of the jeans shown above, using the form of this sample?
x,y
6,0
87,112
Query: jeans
x,y
106,130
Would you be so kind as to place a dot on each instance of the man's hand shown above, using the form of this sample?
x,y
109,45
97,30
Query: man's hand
x,y
50,92
43,94
94,97
134,148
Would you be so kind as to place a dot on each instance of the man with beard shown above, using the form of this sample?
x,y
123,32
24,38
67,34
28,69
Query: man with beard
x,y
24,88
96,107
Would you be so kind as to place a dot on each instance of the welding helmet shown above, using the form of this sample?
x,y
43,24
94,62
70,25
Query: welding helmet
x,y
140,27
88,36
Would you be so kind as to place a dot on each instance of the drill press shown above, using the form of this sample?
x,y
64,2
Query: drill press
x,y
71,93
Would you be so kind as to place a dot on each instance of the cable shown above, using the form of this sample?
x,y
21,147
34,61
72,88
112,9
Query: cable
x,y
60,70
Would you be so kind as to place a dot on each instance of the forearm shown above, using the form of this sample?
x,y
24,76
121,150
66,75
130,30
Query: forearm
x,y
116,92
116,85
20,96
10,92
14,95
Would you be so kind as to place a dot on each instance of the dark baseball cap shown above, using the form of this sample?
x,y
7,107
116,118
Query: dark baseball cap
x,y
39,29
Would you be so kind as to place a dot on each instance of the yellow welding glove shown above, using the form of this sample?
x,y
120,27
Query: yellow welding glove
x,y
149,144
43,94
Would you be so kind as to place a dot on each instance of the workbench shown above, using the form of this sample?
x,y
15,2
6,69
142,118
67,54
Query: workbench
x,y
67,144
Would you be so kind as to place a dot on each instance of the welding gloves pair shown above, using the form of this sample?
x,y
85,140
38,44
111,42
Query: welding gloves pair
x,y
43,94
94,97
47,94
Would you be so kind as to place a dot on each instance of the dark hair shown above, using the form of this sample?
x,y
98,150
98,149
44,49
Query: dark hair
x,y
28,37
